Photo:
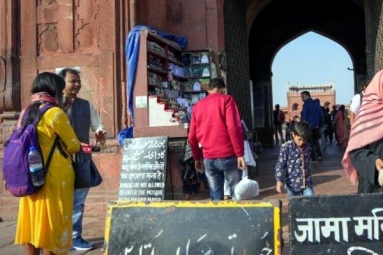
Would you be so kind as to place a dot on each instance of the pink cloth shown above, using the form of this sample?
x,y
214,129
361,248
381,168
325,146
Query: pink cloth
x,y
367,127
44,97
40,96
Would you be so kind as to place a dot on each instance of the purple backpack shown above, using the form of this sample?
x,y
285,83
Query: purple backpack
x,y
15,161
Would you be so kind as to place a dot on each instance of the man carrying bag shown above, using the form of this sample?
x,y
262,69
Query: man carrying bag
x,y
83,117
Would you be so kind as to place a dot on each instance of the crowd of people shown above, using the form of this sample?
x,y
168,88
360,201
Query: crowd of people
x,y
302,143
59,207
326,125
357,131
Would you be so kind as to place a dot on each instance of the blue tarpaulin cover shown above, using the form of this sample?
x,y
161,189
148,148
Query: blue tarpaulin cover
x,y
132,49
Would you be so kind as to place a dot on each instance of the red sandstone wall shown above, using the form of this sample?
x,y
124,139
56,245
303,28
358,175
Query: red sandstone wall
x,y
293,98
62,33
91,35
200,21
83,34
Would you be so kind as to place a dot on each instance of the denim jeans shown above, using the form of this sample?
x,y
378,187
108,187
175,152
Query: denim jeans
x,y
307,192
217,170
78,208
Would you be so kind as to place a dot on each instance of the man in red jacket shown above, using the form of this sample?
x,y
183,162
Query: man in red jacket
x,y
216,136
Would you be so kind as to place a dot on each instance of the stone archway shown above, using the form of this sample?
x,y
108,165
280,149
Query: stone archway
x,y
272,24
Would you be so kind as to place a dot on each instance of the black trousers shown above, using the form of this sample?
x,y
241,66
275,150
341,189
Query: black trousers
x,y
314,143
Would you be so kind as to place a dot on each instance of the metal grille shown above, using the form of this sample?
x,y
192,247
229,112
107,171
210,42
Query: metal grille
x,y
237,56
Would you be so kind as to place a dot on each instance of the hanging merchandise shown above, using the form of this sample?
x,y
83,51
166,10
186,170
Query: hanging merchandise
x,y
206,71
196,86
222,60
213,70
205,58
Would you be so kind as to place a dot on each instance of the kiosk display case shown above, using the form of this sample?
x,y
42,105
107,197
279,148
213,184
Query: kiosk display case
x,y
169,82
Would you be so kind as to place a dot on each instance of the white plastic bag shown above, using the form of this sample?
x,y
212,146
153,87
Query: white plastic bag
x,y
246,188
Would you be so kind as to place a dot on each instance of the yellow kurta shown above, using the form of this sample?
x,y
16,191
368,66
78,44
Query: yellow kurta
x,y
45,218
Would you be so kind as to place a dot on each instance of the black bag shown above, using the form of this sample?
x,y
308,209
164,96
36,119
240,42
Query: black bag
x,y
190,178
85,177
189,174
188,153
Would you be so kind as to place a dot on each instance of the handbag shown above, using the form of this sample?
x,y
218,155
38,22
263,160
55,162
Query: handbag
x,y
85,177
189,174
188,152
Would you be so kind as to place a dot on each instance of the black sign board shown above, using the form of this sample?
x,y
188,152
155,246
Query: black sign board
x,y
226,227
143,169
341,225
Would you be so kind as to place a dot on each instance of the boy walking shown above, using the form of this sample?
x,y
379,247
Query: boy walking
x,y
292,169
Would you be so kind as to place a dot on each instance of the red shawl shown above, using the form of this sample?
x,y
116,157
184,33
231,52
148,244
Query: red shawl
x,y
367,127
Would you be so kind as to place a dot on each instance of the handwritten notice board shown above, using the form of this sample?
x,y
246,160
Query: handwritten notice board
x,y
225,227
349,224
143,169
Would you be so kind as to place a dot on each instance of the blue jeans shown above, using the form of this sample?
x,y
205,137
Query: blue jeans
x,y
307,192
217,170
78,208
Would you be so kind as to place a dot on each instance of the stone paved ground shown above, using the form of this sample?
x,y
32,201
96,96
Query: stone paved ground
x,y
329,179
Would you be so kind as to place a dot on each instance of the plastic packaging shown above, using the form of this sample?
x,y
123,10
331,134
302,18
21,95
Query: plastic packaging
x,y
36,167
246,189
213,69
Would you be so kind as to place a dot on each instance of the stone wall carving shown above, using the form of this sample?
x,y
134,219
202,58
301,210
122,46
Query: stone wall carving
x,y
10,104
3,79
9,58
47,27
47,38
47,2
86,28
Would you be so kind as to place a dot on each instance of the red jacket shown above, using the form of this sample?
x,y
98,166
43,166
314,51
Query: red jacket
x,y
216,125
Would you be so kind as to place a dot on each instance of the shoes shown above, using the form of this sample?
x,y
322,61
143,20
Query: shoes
x,y
313,161
226,197
80,244
380,178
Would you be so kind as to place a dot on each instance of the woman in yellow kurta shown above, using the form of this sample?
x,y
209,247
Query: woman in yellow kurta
x,y
45,218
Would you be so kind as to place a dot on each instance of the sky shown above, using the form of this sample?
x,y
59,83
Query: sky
x,y
312,59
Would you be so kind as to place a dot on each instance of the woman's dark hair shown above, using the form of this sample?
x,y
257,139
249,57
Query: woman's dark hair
x,y
50,83
302,129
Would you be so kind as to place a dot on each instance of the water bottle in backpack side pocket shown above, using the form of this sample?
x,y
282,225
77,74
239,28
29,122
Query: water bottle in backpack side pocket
x,y
36,167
